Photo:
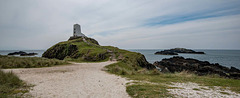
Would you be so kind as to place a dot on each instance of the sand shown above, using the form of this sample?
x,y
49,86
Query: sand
x,y
193,90
77,80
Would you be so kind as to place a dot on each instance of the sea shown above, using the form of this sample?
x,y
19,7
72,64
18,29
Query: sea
x,y
226,58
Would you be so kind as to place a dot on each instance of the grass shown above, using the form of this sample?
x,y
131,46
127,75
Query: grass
x,y
157,86
129,63
147,91
28,62
78,51
158,82
11,85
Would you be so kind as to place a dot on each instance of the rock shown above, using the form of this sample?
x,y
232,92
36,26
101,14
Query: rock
x,y
178,64
233,69
175,51
21,53
184,50
166,53
60,51
28,54
17,53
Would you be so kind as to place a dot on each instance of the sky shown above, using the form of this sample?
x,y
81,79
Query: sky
x,y
127,24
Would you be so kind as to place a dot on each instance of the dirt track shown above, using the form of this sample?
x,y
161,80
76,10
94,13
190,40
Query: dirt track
x,y
78,80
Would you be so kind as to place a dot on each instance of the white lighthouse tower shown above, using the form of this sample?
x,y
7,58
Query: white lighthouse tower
x,y
77,31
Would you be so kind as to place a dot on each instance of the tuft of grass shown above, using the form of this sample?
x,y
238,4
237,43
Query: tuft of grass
x,y
28,62
196,89
226,93
148,91
11,85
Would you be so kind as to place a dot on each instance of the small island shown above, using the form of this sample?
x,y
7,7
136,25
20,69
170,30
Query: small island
x,y
22,53
175,51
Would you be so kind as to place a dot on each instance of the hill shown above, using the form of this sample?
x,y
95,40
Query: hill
x,y
84,49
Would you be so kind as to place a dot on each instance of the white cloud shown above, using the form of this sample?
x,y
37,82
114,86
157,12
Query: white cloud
x,y
40,24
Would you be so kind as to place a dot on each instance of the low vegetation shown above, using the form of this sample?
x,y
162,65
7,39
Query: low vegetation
x,y
163,79
129,63
11,85
28,62
152,83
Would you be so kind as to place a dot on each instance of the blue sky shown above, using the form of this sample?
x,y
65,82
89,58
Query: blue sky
x,y
129,24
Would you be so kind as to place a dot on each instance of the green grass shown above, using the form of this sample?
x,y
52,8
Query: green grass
x,y
28,62
78,51
129,63
11,85
148,91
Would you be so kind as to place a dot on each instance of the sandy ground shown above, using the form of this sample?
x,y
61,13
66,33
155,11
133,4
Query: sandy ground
x,y
193,90
78,80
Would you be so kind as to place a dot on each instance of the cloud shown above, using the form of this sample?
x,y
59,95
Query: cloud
x,y
40,24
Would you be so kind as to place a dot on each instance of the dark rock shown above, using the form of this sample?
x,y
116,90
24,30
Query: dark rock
x,y
178,64
175,51
21,53
17,53
166,53
233,69
183,50
28,54
60,51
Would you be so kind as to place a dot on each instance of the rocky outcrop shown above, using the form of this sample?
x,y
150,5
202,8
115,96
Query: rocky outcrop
x,y
178,64
17,53
166,52
28,54
60,51
175,51
22,53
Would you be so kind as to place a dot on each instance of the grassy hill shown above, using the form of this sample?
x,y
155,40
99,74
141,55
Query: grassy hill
x,y
84,49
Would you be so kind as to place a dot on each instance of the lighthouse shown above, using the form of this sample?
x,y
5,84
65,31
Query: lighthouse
x,y
77,31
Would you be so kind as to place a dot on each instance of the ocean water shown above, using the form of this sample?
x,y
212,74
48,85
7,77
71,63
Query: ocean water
x,y
226,58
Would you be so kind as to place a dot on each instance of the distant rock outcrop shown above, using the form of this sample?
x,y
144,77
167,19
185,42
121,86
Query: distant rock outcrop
x,y
178,64
22,53
17,53
166,52
175,51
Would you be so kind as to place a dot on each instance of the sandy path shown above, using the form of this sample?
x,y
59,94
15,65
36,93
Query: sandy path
x,y
79,80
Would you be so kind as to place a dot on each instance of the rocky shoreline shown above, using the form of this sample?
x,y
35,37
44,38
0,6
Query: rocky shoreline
x,y
179,64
